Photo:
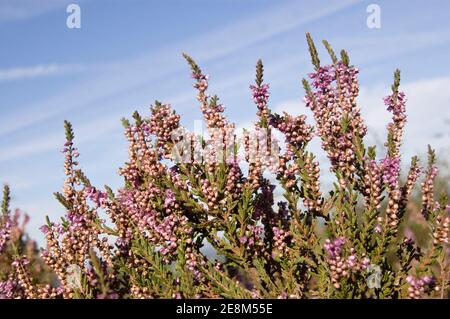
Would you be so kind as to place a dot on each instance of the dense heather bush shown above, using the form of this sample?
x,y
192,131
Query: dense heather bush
x,y
16,248
190,224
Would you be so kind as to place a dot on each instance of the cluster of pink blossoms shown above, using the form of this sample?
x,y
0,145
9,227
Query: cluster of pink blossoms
x,y
391,171
280,237
396,104
373,180
5,232
337,115
419,285
253,239
260,96
340,265
294,128
99,198
164,122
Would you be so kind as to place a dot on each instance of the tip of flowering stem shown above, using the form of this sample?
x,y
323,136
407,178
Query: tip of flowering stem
x,y
60,197
371,152
259,73
396,84
214,100
414,161
157,106
194,66
330,51
64,222
110,192
443,199
69,131
306,86
137,117
313,51
47,221
345,58
431,156
6,199
125,123
83,178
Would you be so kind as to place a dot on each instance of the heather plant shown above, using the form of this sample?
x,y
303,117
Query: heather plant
x,y
197,216
21,267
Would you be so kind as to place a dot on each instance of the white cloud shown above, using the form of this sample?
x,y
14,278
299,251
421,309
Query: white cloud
x,y
18,182
11,10
53,140
29,147
106,124
133,73
40,70
428,111
262,26
428,114
394,44
144,69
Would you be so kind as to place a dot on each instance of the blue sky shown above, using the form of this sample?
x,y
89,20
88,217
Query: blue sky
x,y
128,53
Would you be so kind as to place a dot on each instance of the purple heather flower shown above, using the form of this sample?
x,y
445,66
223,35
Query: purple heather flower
x,y
170,199
5,233
365,263
97,197
417,285
323,77
391,170
396,105
45,229
260,95
279,238
255,294
200,76
378,229
283,295
7,288
107,296
76,221
20,261
334,248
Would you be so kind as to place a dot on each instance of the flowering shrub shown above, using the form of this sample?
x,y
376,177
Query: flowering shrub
x,y
197,217
20,264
